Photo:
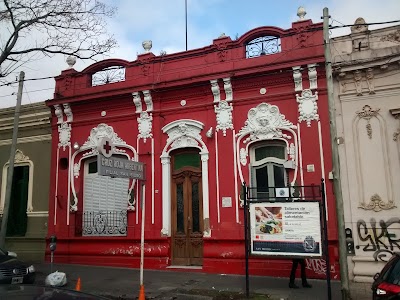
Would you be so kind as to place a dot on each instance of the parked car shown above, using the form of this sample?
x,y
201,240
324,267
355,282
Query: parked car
x,y
14,271
386,285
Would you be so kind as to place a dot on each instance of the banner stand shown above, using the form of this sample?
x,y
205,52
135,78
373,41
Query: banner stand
x,y
263,228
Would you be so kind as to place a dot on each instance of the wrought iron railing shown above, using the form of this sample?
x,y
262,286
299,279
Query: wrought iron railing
x,y
101,223
287,193
265,45
108,75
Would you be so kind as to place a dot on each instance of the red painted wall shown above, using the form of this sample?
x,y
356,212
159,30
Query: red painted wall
x,y
186,76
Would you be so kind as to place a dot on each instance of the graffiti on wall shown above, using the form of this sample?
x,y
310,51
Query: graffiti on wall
x,y
318,266
379,238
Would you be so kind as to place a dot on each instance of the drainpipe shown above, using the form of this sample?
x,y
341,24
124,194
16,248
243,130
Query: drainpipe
x,y
344,275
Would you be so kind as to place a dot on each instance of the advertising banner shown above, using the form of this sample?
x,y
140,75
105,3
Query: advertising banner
x,y
286,229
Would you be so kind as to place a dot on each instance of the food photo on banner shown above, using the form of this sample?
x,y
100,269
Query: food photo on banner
x,y
290,229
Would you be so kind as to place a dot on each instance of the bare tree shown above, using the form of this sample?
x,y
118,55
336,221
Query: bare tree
x,y
30,29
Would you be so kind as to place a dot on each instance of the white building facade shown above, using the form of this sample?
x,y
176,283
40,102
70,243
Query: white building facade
x,y
366,67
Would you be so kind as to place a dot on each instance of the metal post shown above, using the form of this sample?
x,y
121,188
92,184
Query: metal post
x,y
246,238
10,172
51,261
186,24
326,241
335,163
142,206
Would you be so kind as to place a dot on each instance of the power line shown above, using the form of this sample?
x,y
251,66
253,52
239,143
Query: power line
x,y
375,23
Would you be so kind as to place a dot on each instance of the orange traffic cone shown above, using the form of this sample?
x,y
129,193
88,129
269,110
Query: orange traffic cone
x,y
141,293
78,285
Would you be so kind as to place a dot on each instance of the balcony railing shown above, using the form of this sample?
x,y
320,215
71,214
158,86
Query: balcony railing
x,y
287,193
101,223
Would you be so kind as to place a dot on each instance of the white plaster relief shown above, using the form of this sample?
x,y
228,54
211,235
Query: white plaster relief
x,y
90,149
357,82
64,135
367,113
215,90
308,109
224,116
137,101
228,89
312,76
292,151
369,74
148,100
264,122
145,125
68,112
298,79
59,114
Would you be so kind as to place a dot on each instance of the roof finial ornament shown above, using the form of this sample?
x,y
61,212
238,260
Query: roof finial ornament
x,y
147,45
71,60
301,13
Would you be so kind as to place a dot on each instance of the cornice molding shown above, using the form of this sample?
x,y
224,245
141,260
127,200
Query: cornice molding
x,y
28,139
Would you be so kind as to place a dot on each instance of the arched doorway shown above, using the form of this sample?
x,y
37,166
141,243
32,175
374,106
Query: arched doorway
x,y
186,208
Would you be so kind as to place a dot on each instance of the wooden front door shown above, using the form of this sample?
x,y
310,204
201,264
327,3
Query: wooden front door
x,y
187,217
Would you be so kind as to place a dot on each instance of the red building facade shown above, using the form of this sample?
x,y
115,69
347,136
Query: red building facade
x,y
202,121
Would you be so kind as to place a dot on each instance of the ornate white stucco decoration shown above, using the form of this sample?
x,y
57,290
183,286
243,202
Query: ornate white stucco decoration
x,y
215,90
308,108
312,76
301,13
64,135
148,100
265,122
357,82
19,157
298,79
292,151
59,114
228,89
367,113
137,101
224,116
359,26
145,125
68,112
185,132
377,204
90,149
369,74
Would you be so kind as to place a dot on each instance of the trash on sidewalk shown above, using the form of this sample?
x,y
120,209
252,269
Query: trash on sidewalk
x,y
56,279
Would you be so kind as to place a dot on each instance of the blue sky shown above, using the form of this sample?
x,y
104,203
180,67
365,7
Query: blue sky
x,y
163,22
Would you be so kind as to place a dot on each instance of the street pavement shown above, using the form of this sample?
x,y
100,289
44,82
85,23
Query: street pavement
x,y
124,283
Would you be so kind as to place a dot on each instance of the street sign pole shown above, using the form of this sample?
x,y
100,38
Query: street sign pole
x,y
143,208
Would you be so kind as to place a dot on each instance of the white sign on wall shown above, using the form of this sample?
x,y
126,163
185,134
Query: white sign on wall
x,y
286,229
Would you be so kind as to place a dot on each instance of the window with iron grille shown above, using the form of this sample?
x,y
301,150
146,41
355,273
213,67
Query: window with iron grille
x,y
265,45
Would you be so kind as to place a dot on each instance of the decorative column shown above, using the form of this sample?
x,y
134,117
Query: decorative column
x,y
166,194
206,209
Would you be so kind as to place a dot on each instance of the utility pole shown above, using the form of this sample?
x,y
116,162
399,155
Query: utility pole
x,y
10,172
344,275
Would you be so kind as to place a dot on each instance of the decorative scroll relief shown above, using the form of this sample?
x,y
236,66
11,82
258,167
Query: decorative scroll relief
x,y
90,149
137,101
377,204
297,77
68,112
396,134
308,108
148,100
20,157
367,113
228,89
224,116
184,128
145,125
292,151
264,122
215,90
64,135
312,76
59,114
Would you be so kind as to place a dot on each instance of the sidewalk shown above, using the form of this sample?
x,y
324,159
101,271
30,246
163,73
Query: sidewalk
x,y
123,283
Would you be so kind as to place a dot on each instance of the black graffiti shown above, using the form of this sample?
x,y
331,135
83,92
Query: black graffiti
x,y
379,239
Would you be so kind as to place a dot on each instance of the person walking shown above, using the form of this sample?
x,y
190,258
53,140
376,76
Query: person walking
x,y
304,282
